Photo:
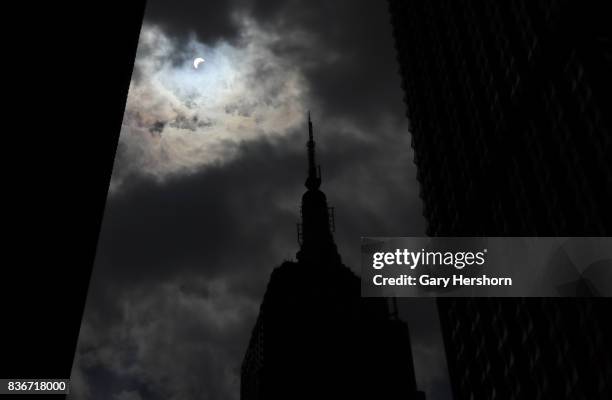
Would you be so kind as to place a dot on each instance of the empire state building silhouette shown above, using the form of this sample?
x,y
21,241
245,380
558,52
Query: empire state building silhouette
x,y
315,337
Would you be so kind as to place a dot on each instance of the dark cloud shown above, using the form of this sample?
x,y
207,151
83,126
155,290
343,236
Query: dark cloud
x,y
348,56
167,342
158,127
208,220
209,20
182,262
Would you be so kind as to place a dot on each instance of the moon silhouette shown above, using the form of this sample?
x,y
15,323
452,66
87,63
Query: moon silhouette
x,y
197,62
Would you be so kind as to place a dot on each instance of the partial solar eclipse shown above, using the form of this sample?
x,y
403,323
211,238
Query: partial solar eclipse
x,y
197,62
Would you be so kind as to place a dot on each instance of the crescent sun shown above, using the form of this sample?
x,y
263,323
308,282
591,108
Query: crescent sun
x,y
197,62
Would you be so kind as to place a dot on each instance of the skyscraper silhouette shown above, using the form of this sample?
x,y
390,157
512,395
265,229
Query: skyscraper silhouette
x,y
315,337
508,104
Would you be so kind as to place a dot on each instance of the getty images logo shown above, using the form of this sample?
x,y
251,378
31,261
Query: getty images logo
x,y
412,259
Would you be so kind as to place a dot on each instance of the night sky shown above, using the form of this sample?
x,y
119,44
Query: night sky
x,y
207,182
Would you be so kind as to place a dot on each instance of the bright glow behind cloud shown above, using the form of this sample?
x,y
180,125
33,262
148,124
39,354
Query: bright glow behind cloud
x,y
180,119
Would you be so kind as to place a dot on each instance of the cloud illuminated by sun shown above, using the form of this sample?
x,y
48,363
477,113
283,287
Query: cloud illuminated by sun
x,y
180,119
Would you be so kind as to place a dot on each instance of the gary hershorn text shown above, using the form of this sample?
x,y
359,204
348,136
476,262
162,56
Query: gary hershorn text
x,y
427,280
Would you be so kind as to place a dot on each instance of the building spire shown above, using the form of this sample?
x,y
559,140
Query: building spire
x,y
315,230
309,127
313,182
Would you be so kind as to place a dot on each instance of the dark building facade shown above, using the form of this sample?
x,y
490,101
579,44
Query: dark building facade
x,y
508,103
315,337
